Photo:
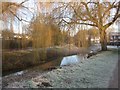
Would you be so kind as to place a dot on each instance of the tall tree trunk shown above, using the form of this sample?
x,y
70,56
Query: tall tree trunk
x,y
103,40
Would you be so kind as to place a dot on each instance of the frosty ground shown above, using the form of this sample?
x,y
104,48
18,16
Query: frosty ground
x,y
95,72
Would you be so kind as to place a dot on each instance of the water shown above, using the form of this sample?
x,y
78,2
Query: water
x,y
59,62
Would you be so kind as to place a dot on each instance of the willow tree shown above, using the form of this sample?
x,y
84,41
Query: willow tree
x,y
11,8
93,33
81,39
11,12
97,14
41,38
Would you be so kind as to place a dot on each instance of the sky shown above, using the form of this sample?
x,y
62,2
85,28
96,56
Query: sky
x,y
22,13
28,16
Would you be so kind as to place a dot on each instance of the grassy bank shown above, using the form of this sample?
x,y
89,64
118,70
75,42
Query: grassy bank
x,y
21,59
95,72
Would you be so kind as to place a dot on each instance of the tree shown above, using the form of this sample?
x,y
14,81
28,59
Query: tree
x,y
11,8
93,33
81,38
97,14
57,35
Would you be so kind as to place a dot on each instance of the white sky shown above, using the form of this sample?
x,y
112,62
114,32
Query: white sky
x,y
28,16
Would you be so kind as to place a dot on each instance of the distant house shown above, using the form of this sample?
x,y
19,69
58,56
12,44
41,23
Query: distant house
x,y
114,38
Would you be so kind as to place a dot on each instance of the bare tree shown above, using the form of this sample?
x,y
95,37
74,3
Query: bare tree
x,y
11,8
97,14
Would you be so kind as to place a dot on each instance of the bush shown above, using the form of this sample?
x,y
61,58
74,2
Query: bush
x,y
14,44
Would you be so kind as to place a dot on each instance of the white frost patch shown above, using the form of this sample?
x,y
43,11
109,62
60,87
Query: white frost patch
x,y
70,60
19,73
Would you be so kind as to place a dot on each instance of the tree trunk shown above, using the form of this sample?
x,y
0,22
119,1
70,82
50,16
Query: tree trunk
x,y
103,40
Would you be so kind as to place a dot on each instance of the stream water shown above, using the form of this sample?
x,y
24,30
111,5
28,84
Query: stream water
x,y
59,62
52,64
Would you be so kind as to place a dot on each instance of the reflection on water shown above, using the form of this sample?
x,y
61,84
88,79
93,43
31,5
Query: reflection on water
x,y
52,63
61,61
70,60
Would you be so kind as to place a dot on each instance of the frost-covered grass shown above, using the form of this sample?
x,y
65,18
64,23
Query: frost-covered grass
x,y
92,73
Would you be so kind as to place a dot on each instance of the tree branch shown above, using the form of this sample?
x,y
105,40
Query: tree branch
x,y
79,16
23,2
79,23
7,6
108,9
18,17
117,15
91,18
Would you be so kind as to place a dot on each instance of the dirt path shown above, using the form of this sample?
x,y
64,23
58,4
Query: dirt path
x,y
113,83
115,78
